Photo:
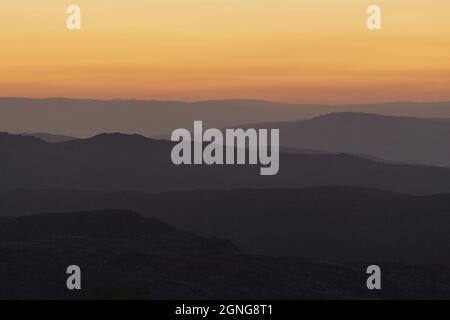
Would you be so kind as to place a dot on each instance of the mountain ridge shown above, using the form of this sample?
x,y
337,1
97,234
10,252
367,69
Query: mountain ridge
x,y
325,223
180,266
87,117
117,162
399,139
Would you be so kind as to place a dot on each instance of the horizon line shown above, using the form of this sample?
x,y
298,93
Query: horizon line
x,y
224,100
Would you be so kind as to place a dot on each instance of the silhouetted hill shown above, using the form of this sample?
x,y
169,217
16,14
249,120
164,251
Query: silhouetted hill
x,y
52,138
107,224
408,140
328,223
333,223
140,258
87,117
117,162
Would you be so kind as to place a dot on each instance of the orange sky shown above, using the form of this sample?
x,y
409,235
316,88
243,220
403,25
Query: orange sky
x,y
289,50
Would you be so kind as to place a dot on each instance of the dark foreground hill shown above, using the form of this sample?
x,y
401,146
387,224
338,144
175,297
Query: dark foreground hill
x,y
331,223
403,139
122,255
116,162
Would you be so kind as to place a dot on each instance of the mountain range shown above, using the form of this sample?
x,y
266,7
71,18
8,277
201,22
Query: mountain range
x,y
117,162
125,256
358,185
87,117
325,223
402,139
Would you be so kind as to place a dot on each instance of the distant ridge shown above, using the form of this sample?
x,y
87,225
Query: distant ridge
x,y
401,139
87,117
51,138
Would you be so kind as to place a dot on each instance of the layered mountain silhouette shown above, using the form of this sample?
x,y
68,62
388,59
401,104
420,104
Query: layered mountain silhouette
x,y
125,256
354,189
327,223
87,117
403,139
117,162
52,138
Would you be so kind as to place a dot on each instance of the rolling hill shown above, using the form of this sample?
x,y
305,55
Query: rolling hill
x,y
326,223
402,139
125,256
117,162
88,117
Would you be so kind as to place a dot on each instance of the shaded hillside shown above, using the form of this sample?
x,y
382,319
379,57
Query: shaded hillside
x,y
52,138
87,117
116,162
408,140
122,255
331,223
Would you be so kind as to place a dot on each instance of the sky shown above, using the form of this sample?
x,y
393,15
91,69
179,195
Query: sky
x,y
302,51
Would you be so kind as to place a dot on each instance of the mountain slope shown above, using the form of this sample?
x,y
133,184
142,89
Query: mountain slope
x,y
160,262
116,162
50,137
408,140
327,223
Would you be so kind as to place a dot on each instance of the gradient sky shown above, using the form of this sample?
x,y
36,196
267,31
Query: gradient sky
x,y
282,50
